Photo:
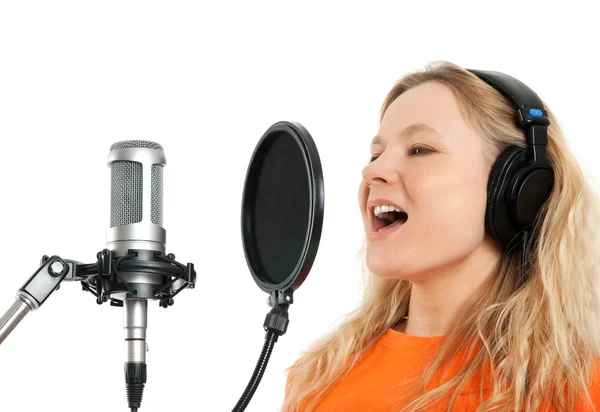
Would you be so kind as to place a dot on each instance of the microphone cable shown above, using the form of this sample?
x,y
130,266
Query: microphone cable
x,y
523,258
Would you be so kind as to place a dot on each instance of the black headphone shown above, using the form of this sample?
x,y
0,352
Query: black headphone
x,y
520,180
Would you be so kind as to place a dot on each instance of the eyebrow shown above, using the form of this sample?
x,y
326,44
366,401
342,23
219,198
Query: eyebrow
x,y
407,131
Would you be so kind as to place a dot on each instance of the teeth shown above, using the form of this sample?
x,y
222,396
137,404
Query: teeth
x,y
386,208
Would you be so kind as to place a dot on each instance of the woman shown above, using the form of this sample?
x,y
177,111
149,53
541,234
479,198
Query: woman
x,y
447,322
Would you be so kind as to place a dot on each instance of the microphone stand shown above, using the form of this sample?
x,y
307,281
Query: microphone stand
x,y
52,271
35,292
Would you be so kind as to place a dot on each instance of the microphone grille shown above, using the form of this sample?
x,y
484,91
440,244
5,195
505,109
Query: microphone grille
x,y
126,193
127,196
136,144
157,194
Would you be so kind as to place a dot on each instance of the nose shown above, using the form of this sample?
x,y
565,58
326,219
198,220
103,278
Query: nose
x,y
381,170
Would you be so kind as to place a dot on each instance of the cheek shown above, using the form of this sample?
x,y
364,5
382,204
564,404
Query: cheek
x,y
450,209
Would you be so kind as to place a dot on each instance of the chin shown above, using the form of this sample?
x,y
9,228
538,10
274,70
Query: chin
x,y
383,269
396,274
392,267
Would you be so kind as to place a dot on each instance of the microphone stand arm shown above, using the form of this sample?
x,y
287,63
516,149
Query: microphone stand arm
x,y
34,292
275,325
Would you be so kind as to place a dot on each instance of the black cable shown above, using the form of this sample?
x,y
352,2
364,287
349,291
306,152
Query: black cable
x,y
259,371
523,259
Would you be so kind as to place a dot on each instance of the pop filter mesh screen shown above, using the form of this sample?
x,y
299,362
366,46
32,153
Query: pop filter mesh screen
x,y
281,214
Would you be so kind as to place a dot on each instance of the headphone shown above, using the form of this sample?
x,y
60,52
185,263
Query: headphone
x,y
520,180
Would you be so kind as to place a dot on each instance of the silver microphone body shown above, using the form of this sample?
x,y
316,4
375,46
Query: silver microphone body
x,y
136,219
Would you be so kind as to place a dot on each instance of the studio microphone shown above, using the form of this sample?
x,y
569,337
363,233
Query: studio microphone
x,y
136,251
131,270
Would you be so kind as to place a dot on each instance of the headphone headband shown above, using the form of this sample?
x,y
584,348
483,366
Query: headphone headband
x,y
530,107
532,115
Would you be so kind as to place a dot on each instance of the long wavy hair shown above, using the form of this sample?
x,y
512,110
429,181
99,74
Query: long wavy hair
x,y
541,339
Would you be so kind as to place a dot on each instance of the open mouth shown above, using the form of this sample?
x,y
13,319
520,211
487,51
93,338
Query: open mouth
x,y
388,219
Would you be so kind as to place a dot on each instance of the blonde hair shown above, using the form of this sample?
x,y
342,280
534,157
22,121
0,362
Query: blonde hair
x,y
540,340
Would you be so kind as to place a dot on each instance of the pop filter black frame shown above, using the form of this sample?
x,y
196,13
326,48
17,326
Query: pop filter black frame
x,y
313,169
281,294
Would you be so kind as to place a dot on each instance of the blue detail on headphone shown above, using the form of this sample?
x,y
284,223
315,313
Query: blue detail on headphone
x,y
535,112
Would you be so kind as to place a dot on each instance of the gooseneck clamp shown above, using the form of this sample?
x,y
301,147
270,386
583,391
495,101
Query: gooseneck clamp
x,y
276,323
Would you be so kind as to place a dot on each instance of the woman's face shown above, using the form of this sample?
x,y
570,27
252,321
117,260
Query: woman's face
x,y
429,164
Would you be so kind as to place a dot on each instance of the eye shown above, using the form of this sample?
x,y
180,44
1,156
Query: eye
x,y
417,150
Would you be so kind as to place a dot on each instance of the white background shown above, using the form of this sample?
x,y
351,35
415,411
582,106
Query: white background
x,y
206,79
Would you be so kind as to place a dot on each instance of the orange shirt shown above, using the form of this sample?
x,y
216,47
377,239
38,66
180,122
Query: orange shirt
x,y
372,385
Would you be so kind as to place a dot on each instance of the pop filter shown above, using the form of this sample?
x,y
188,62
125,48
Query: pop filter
x,y
282,217
282,207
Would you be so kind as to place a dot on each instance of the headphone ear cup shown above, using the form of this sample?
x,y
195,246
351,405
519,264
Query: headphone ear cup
x,y
498,222
534,188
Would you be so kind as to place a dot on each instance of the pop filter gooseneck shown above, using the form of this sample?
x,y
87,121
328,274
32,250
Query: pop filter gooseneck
x,y
282,217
